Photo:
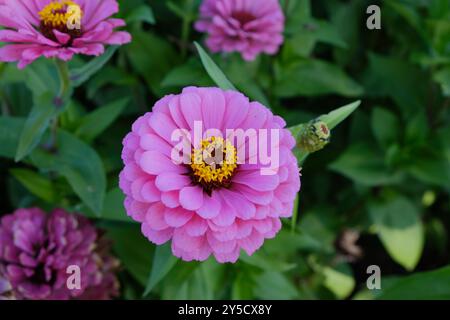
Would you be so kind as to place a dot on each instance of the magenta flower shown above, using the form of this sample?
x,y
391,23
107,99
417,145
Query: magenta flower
x,y
246,26
203,205
60,29
36,250
5,286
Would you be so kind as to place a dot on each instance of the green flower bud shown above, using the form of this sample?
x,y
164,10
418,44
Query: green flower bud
x,y
314,136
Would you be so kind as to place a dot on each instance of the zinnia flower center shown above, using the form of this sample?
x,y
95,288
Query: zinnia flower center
x,y
64,16
243,17
213,164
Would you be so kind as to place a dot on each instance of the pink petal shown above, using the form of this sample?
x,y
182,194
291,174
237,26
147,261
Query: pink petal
x,y
169,181
157,237
191,108
256,181
150,193
62,38
155,217
177,217
220,246
196,227
170,199
231,257
185,242
252,243
213,108
211,206
191,198
154,162
244,208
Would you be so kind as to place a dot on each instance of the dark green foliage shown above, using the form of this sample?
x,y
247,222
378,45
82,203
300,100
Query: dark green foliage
x,y
377,194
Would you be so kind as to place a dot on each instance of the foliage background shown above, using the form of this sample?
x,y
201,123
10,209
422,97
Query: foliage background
x,y
378,194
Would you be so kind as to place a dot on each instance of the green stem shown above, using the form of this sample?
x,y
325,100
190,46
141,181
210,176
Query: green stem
x,y
4,103
64,87
54,133
63,73
295,214
286,7
185,28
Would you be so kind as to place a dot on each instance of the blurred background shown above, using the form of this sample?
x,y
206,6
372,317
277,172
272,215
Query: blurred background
x,y
378,194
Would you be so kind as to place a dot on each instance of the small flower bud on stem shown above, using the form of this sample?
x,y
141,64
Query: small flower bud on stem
x,y
313,136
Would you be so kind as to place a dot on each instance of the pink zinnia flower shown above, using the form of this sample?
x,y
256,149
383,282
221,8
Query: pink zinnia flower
x,y
247,26
36,250
48,28
207,207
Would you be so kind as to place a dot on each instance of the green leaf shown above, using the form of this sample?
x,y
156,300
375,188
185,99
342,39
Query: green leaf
x,y
41,77
141,13
335,117
190,73
431,285
80,75
99,120
361,163
246,76
178,283
36,184
417,129
152,57
9,139
176,9
430,166
110,75
163,262
315,77
397,222
263,261
328,33
243,286
385,127
133,249
113,208
213,70
274,286
332,119
79,164
397,79
443,78
339,280
317,228
37,122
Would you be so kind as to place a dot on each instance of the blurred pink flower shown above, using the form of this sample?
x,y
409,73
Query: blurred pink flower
x,y
247,26
35,28
206,209
36,250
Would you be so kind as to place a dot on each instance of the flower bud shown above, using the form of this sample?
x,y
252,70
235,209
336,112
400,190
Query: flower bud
x,y
314,136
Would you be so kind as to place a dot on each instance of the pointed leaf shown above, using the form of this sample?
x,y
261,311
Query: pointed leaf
x,y
141,13
133,249
363,164
400,229
36,184
163,262
80,75
97,121
37,122
9,127
431,285
213,70
79,164
313,78
337,116
113,208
